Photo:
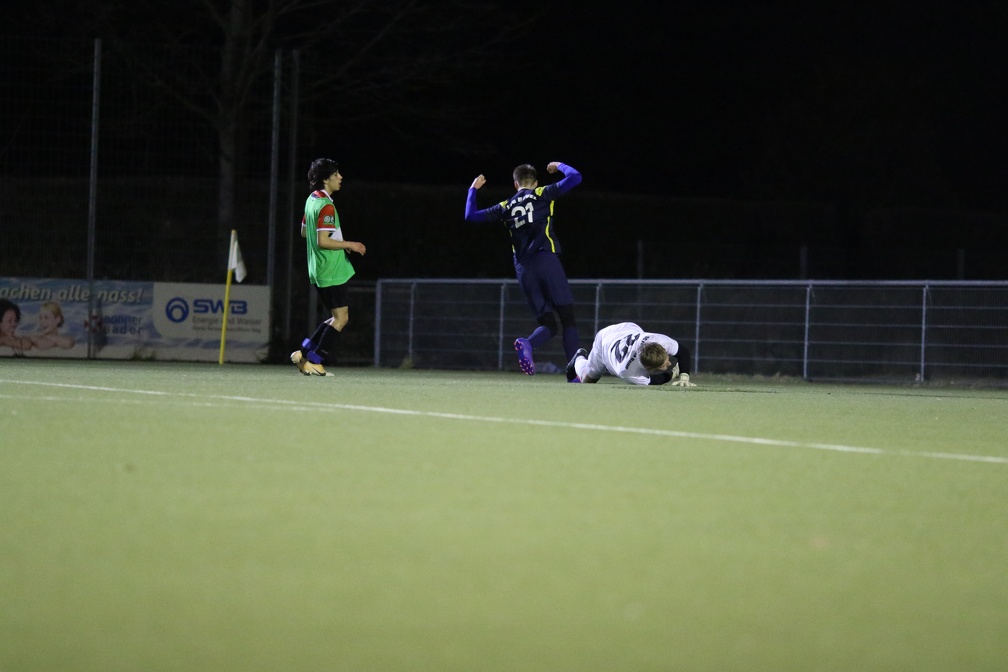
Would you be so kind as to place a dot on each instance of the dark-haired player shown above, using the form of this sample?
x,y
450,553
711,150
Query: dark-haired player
x,y
329,266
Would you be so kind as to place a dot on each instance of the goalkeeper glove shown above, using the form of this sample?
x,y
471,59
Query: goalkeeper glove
x,y
683,381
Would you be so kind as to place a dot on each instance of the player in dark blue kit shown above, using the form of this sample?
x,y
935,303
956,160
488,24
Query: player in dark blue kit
x,y
528,216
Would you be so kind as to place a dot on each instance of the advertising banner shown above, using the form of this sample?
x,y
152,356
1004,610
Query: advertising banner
x,y
45,317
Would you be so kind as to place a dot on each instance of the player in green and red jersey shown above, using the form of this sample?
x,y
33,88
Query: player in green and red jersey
x,y
329,266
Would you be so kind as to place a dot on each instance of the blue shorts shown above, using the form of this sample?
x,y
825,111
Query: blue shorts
x,y
544,282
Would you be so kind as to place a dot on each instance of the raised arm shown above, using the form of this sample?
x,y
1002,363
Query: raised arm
x,y
571,177
472,212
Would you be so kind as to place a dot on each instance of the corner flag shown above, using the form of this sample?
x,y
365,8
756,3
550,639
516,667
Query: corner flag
x,y
235,261
237,265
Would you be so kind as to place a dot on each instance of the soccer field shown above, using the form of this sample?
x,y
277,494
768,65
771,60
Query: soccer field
x,y
161,516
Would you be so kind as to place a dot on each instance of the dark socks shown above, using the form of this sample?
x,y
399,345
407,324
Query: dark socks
x,y
570,339
320,344
570,342
328,344
539,336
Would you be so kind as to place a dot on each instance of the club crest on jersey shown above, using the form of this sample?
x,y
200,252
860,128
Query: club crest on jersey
x,y
329,219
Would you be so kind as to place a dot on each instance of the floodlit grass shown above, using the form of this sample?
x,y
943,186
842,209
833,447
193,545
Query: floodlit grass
x,y
195,517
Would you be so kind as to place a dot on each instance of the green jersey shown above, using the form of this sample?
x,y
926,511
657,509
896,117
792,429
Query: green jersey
x,y
325,267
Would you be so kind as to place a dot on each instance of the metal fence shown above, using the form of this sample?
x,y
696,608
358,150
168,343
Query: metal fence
x,y
817,330
106,176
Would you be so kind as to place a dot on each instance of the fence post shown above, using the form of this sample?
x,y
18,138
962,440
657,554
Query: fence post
x,y
92,200
409,330
598,306
378,320
924,298
808,327
291,191
500,326
696,331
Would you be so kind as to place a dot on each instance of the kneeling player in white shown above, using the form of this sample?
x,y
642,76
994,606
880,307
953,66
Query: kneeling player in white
x,y
628,352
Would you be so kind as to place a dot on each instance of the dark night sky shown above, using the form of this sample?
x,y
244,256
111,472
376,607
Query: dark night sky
x,y
895,102
873,131
901,102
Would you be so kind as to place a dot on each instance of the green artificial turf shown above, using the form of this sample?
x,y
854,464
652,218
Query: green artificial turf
x,y
161,516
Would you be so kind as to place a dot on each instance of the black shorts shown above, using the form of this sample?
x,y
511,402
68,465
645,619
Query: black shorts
x,y
333,297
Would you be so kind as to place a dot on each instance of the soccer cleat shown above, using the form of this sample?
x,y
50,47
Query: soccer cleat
x,y
298,360
572,376
525,362
311,369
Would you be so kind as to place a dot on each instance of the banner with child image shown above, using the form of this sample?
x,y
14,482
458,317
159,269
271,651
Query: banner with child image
x,y
45,317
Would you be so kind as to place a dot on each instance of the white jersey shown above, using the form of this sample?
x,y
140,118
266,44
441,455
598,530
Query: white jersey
x,y
616,351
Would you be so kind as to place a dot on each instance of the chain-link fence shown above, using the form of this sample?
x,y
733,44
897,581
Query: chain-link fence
x,y
817,330
111,173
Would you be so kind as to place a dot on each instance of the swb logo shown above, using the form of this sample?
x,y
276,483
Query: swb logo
x,y
177,309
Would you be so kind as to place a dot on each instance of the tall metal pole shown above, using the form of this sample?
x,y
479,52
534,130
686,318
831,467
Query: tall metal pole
x,y
274,174
93,322
292,169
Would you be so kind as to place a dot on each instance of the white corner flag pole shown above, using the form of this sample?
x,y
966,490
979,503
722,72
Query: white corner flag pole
x,y
236,266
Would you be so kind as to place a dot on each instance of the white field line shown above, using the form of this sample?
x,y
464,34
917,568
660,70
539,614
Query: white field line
x,y
211,400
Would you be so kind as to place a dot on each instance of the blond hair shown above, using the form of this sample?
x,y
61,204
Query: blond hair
x,y
652,355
